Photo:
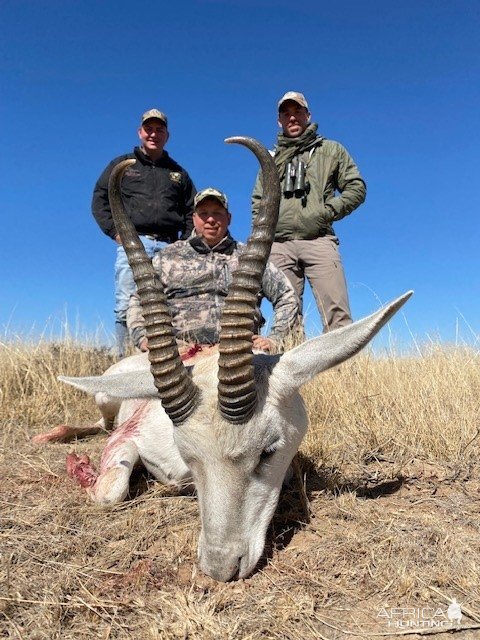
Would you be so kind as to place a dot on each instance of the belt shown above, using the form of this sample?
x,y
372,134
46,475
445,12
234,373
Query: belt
x,y
159,237
321,234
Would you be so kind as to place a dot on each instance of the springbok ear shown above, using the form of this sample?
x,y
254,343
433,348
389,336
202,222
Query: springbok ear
x,y
131,384
298,366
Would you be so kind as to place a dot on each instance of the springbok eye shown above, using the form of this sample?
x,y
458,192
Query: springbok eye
x,y
267,452
265,455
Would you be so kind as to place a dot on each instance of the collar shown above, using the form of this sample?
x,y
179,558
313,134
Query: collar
x,y
226,246
145,158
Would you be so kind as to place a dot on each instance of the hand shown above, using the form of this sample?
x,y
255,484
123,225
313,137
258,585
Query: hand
x,y
329,213
118,239
263,344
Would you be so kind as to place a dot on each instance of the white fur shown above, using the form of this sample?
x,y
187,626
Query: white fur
x,y
237,490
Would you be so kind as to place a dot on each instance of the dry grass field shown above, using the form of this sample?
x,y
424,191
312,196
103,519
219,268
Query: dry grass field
x,y
377,536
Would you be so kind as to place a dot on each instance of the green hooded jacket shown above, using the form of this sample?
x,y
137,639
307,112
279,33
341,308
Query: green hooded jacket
x,y
336,188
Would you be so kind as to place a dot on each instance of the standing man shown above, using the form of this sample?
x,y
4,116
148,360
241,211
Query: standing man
x,y
158,196
320,185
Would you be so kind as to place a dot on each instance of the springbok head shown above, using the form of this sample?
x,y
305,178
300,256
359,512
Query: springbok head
x,y
238,419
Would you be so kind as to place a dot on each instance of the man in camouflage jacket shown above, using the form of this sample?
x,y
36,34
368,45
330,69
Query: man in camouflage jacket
x,y
196,275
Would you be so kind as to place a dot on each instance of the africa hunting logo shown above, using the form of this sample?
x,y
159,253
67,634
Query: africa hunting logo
x,y
421,617
175,177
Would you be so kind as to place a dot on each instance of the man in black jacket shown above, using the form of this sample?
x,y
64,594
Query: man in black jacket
x,y
158,196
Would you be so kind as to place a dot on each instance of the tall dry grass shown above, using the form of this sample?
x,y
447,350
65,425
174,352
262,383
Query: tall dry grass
x,y
385,513
397,407
31,395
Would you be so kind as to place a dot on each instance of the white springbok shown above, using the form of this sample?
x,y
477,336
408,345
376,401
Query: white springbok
x,y
232,422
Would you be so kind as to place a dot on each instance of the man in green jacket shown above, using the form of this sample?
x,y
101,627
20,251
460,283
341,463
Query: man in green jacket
x,y
320,185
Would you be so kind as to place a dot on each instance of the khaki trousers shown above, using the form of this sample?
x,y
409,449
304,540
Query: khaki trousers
x,y
318,261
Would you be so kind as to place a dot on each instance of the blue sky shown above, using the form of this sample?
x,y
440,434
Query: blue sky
x,y
397,83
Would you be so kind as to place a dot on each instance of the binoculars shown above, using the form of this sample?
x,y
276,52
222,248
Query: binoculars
x,y
295,183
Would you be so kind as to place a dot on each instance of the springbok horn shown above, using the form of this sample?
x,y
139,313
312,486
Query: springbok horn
x,y
237,395
175,387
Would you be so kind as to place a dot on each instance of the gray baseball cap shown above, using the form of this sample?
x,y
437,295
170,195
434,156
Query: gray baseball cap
x,y
297,97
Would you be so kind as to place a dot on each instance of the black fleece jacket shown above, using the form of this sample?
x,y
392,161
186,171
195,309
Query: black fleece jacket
x,y
158,197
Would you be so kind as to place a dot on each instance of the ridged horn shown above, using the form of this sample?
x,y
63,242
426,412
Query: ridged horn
x,y
175,387
237,395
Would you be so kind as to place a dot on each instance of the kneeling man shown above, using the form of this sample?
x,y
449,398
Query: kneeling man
x,y
196,275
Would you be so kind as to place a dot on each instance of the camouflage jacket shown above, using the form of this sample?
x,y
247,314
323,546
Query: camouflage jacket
x,y
196,279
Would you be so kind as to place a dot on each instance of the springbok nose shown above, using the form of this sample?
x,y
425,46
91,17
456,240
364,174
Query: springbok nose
x,y
219,564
